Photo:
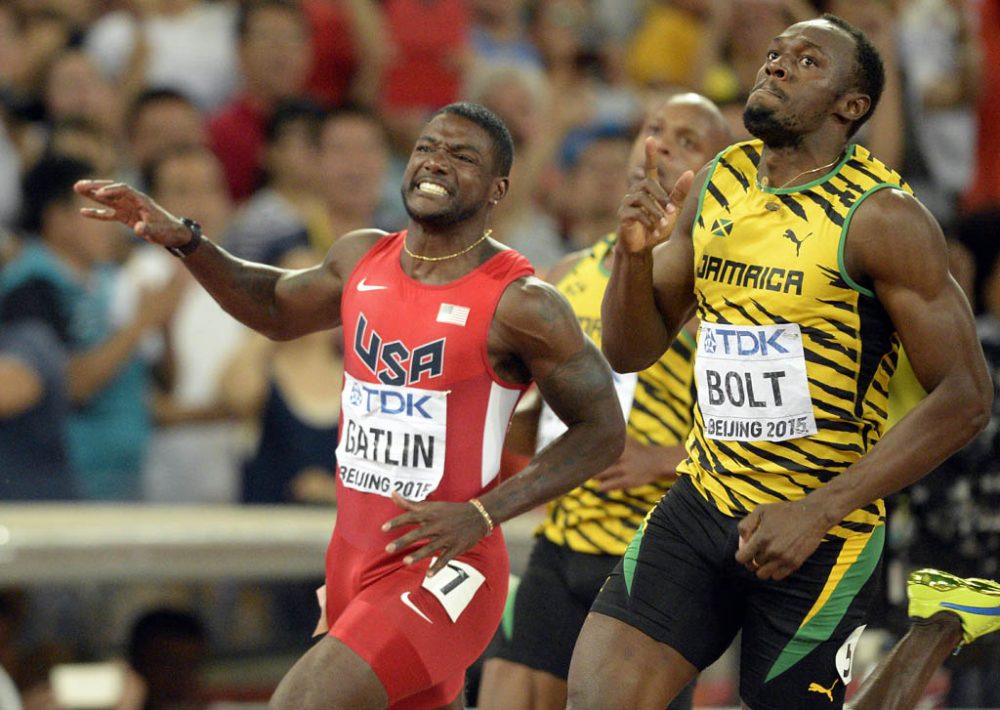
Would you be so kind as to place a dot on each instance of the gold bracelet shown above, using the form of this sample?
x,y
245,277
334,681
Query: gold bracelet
x,y
482,511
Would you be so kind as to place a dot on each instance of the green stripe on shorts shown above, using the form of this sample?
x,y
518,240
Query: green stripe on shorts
x,y
821,626
507,620
632,553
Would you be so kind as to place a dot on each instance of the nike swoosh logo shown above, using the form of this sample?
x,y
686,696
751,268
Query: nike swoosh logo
x,y
984,610
405,598
362,286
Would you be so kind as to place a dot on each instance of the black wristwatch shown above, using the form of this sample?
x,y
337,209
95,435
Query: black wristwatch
x,y
187,249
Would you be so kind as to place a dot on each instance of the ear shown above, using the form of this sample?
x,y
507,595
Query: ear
x,y
500,187
852,106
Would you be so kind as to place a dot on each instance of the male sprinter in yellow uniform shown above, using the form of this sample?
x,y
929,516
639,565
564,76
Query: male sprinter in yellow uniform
x,y
809,263
587,530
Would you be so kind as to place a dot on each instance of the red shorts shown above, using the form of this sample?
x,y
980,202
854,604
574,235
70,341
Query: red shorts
x,y
379,608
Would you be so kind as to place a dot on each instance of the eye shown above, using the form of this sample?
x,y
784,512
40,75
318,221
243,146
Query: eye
x,y
654,129
772,55
808,61
687,143
422,149
466,158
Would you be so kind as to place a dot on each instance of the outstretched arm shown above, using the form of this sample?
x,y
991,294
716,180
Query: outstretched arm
x,y
896,245
279,303
651,292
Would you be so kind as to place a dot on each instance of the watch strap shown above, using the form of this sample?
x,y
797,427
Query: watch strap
x,y
185,250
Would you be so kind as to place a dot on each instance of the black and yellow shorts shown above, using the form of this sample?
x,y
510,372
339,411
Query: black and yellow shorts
x,y
679,583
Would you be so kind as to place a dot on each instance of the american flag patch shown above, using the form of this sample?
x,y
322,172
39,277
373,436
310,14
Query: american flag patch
x,y
456,315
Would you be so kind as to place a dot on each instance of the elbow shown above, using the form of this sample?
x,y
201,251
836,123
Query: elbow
x,y
981,412
976,406
616,434
621,360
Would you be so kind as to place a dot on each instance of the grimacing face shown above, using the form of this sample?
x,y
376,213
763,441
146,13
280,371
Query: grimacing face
x,y
806,72
450,173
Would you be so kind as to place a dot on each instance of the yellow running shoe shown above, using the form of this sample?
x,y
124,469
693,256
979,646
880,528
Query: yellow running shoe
x,y
975,601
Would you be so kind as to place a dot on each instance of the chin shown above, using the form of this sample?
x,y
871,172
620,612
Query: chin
x,y
763,123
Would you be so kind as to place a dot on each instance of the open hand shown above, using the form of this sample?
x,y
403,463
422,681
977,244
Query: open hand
x,y
447,529
136,210
647,214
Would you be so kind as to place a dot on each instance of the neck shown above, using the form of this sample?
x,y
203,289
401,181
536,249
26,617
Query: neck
x,y
784,167
438,241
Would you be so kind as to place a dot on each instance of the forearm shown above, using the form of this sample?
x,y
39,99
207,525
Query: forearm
x,y
634,333
585,449
945,421
246,291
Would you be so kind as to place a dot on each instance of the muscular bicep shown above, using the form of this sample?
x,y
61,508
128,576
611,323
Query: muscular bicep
x,y
309,299
536,326
897,246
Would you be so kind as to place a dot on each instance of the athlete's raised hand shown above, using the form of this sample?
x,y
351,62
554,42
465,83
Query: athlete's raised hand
x,y
776,538
647,213
136,210
447,530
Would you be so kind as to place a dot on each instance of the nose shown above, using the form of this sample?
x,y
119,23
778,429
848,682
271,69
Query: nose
x,y
435,162
773,68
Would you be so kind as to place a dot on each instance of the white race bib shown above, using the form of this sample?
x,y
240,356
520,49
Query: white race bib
x,y
454,586
752,382
393,438
550,426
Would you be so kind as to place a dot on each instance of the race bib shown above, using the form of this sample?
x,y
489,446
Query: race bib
x,y
551,426
393,438
752,382
454,586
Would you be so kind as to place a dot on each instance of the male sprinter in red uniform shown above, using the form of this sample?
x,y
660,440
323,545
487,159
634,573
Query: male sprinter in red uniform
x,y
445,328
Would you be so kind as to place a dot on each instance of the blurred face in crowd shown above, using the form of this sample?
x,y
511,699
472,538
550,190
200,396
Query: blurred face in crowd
x,y
191,183
514,102
164,125
89,144
81,242
353,159
290,160
275,53
11,46
599,178
690,132
75,88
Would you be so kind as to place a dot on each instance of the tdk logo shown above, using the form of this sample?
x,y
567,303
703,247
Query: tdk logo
x,y
373,399
744,342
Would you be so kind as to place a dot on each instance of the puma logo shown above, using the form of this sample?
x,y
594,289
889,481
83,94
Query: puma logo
x,y
817,688
791,236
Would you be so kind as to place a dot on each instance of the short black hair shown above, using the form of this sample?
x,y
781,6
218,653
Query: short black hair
x,y
869,73
247,10
50,181
503,144
293,110
152,96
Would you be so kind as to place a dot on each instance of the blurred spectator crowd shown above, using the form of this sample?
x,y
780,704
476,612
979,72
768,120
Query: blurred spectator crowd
x,y
282,124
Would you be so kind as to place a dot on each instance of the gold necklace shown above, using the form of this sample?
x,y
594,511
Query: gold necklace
x,y
774,206
467,249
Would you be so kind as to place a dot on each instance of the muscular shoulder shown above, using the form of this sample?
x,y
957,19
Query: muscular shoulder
x,y
893,237
532,320
532,308
347,251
